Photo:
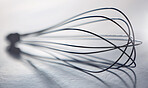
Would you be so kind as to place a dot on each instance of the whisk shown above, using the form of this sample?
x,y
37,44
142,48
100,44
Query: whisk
x,y
84,45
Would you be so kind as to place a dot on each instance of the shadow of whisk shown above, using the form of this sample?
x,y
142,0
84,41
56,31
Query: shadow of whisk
x,y
86,60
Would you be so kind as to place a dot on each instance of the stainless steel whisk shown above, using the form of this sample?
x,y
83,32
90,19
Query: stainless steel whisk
x,y
81,54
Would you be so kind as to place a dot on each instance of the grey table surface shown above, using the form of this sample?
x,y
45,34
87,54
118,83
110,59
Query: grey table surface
x,y
29,15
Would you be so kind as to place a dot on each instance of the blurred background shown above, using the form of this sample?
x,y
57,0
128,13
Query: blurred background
x,y
24,16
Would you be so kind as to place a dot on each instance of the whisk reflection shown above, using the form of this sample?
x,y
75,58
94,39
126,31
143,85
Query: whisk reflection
x,y
131,83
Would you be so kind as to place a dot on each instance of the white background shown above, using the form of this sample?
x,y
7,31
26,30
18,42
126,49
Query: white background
x,y
30,15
